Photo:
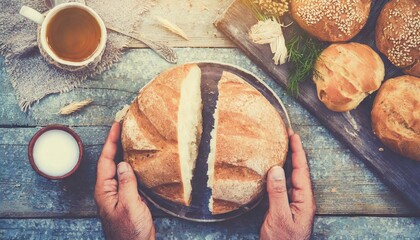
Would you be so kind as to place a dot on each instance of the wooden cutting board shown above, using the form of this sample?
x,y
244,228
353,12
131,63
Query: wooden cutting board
x,y
352,128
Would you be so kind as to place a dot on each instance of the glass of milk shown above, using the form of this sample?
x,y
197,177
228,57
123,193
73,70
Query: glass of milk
x,y
55,152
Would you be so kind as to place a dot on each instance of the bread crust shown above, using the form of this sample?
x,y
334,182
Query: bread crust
x,y
345,74
149,134
332,21
250,138
398,34
396,115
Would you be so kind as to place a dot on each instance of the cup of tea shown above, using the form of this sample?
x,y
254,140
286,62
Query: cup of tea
x,y
71,35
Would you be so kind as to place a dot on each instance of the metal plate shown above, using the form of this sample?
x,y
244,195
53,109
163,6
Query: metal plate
x,y
198,211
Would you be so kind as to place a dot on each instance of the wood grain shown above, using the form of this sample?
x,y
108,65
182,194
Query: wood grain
x,y
325,227
193,16
400,173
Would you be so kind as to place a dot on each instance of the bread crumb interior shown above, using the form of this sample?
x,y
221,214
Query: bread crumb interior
x,y
189,127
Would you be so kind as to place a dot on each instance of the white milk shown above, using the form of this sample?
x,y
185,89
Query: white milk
x,y
56,152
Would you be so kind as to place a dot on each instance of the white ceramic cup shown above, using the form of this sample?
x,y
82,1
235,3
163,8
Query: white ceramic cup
x,y
43,21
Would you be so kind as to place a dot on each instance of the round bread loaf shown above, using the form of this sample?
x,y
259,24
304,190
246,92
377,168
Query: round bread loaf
x,y
396,115
333,21
162,131
398,34
345,74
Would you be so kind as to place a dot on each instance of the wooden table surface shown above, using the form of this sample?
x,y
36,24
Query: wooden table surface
x,y
351,201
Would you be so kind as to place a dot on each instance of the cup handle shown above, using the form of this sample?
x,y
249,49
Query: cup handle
x,y
32,14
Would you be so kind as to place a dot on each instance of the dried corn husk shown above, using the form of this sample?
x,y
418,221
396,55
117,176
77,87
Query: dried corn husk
x,y
172,27
270,32
74,107
278,47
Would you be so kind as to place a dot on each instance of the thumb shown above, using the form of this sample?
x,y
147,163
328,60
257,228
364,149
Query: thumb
x,y
277,194
127,185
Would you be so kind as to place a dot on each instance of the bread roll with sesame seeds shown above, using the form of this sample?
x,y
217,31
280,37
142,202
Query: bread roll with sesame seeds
x,y
331,20
346,73
396,115
398,34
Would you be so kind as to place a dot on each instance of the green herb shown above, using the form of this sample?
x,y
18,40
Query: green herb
x,y
303,53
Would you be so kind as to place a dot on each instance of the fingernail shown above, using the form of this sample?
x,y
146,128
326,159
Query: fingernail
x,y
277,173
122,167
290,132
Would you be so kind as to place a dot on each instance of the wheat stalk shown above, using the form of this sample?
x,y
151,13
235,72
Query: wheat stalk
x,y
74,107
172,27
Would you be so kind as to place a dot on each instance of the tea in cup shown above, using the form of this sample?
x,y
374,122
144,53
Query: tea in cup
x,y
71,34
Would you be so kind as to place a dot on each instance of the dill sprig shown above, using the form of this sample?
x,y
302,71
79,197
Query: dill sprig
x,y
303,53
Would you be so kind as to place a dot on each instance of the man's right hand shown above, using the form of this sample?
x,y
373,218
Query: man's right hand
x,y
294,220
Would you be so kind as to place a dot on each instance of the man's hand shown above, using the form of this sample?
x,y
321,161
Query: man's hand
x,y
123,213
294,220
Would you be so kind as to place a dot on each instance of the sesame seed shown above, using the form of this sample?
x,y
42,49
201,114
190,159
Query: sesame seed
x,y
345,15
405,36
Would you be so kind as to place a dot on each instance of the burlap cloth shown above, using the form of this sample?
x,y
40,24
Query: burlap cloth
x,y
30,74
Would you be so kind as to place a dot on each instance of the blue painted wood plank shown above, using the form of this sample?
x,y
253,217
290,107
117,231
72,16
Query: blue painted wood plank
x,y
326,227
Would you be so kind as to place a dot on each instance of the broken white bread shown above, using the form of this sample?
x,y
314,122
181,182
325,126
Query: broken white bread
x,y
249,137
161,132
